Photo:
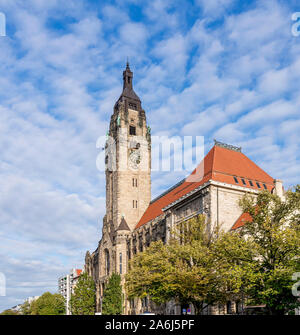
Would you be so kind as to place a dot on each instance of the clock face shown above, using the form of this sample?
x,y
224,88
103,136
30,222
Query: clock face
x,y
135,159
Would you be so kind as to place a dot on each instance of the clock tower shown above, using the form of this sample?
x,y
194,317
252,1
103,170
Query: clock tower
x,y
128,160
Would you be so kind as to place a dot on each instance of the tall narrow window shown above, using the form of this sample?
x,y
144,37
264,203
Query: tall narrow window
x,y
135,182
135,203
120,263
107,262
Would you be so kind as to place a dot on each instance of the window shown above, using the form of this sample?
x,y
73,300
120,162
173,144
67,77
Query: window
x,y
134,182
250,182
265,187
132,130
145,302
236,180
107,262
120,256
133,106
243,181
134,203
131,303
228,307
258,185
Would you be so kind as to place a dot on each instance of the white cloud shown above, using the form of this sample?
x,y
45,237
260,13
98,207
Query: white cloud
x,y
215,8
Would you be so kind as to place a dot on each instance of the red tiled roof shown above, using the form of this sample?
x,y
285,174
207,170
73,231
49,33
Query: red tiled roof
x,y
220,164
244,218
78,272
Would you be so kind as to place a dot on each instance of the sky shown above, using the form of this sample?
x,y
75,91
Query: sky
x,y
223,69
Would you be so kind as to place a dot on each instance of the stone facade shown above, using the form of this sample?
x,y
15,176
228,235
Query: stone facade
x,y
128,197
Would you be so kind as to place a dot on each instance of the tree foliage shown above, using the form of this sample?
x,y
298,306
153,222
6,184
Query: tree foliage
x,y
185,269
112,296
26,308
9,312
272,255
49,304
203,266
83,300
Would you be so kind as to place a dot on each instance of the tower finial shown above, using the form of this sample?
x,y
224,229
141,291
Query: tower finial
x,y
127,64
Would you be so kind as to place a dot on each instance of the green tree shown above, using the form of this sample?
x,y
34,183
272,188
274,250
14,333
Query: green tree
x,y
9,312
264,255
185,269
83,300
49,304
112,296
203,265
26,308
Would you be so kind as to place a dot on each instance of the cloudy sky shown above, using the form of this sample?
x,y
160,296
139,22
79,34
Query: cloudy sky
x,y
223,69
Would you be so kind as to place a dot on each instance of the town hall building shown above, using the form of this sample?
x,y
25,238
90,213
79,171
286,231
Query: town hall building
x,y
132,220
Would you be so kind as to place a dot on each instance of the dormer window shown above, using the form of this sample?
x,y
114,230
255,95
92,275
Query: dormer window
x,y
236,180
243,181
258,185
250,182
265,186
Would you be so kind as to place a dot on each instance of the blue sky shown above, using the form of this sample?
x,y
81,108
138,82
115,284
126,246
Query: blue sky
x,y
222,69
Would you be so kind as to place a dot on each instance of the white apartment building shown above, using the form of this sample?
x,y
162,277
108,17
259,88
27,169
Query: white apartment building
x,y
66,286
31,299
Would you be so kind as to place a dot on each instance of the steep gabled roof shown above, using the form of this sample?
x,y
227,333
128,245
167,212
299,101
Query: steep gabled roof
x,y
221,164
123,225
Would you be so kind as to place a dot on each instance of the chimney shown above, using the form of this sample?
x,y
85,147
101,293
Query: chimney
x,y
278,188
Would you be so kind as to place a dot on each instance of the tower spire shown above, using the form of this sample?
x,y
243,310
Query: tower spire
x,y
128,92
127,77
